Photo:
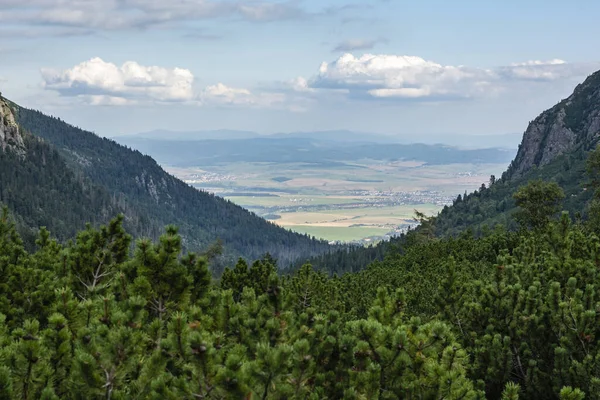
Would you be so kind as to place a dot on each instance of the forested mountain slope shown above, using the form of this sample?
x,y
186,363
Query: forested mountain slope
x,y
554,148
571,125
129,182
506,316
40,189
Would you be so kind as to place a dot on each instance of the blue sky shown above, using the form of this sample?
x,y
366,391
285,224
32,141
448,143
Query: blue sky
x,y
426,69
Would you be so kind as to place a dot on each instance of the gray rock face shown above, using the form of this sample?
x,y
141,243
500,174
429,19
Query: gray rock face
x,y
10,138
573,122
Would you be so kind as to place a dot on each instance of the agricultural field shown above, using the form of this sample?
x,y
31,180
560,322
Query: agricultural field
x,y
361,201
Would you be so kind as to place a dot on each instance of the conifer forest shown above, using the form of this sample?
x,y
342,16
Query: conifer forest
x,y
502,315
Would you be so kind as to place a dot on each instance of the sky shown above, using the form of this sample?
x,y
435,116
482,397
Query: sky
x,y
414,69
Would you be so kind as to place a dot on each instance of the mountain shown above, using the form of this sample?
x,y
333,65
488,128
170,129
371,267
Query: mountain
x,y
554,147
286,149
339,136
220,134
39,188
227,134
572,124
60,176
10,137
463,141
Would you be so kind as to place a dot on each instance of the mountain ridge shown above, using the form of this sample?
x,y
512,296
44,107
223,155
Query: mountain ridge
x,y
462,141
10,137
149,197
573,122
554,147
183,153
38,187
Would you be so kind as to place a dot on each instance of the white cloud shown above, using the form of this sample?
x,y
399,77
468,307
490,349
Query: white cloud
x,y
555,61
221,94
383,77
100,83
550,70
410,77
86,15
300,84
102,100
402,92
130,81
268,11
36,32
399,76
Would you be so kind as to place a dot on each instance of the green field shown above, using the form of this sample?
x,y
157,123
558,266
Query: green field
x,y
344,234
366,215
362,199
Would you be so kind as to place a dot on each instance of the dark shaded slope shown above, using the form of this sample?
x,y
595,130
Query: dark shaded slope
x,y
40,190
151,198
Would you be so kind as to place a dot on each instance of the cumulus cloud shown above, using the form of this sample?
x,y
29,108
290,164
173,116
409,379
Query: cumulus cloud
x,y
370,76
357,44
86,15
100,83
399,76
410,77
543,70
37,32
130,81
223,95
300,84
103,100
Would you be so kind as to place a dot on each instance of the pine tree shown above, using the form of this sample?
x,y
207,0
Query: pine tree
x,y
161,278
538,202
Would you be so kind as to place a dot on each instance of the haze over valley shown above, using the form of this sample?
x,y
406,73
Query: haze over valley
x,y
341,186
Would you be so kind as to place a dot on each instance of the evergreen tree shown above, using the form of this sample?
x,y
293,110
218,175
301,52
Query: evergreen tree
x,y
538,202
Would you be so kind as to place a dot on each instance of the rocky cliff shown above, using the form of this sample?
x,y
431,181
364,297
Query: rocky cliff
x,y
572,123
10,137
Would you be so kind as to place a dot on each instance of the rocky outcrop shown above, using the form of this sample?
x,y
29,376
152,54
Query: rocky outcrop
x,y
572,123
10,137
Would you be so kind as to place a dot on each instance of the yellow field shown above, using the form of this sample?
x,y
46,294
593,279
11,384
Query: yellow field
x,y
338,233
352,224
346,203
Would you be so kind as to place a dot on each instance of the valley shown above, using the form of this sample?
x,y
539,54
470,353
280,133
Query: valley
x,y
338,186
362,201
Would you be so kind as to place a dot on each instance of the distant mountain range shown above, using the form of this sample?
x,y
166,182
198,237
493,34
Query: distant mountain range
x,y
509,140
226,134
323,148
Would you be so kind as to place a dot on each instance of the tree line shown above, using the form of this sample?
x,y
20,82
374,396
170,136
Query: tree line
x,y
502,315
